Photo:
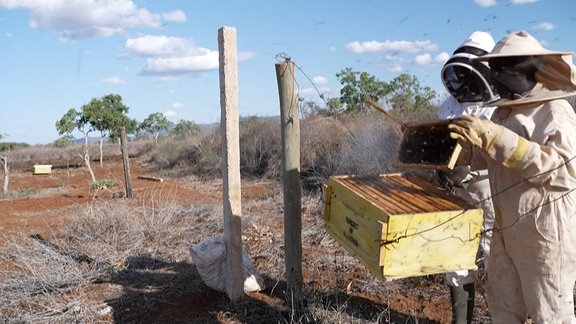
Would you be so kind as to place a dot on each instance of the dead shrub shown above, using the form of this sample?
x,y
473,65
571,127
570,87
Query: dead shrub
x,y
111,241
197,154
323,143
372,145
260,147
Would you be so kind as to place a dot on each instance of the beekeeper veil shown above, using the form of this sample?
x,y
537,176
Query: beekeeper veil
x,y
520,56
465,78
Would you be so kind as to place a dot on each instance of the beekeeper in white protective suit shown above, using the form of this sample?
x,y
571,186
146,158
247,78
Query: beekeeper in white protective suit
x,y
529,149
471,94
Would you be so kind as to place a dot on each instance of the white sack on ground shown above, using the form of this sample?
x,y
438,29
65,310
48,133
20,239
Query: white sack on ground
x,y
209,257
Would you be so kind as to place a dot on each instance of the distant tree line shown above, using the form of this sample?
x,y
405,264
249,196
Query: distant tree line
x,y
106,115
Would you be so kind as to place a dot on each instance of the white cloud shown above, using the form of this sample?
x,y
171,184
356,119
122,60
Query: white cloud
x,y
442,57
170,113
9,35
177,105
486,3
310,92
113,80
390,46
423,59
319,80
320,88
150,45
397,68
175,16
181,65
544,26
427,59
175,55
89,18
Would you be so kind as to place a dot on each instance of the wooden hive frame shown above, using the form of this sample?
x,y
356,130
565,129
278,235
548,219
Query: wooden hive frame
x,y
427,146
423,145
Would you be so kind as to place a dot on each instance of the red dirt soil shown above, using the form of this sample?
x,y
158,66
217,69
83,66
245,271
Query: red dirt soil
x,y
49,199
46,197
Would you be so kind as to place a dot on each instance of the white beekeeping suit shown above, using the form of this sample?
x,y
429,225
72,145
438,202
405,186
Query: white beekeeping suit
x,y
471,94
529,149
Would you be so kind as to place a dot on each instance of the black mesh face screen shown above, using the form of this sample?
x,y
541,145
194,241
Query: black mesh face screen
x,y
466,83
514,76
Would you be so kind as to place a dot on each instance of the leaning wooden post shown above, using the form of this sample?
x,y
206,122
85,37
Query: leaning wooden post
x,y
229,124
290,124
124,148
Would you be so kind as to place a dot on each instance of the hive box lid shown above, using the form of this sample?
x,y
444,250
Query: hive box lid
x,y
427,146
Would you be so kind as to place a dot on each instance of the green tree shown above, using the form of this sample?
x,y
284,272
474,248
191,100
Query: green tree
x,y
106,115
155,124
404,95
410,99
356,86
334,106
184,128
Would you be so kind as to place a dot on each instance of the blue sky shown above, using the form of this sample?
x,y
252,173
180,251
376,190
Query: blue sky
x,y
162,55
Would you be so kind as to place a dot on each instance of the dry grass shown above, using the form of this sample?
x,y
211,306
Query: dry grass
x,y
108,242
138,267
126,261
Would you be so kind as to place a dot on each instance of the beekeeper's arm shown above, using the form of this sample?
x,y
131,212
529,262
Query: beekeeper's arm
x,y
548,164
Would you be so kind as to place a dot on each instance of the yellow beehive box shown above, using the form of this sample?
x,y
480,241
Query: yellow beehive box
x,y
42,169
399,225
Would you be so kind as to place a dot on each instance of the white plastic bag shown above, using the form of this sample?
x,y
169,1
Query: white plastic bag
x,y
209,257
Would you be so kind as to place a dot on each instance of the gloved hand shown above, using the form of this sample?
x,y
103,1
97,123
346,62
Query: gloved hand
x,y
479,132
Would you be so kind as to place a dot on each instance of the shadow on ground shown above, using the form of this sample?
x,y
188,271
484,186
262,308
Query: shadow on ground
x,y
155,291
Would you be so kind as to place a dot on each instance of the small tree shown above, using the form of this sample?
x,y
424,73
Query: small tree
x,y
185,128
106,115
75,120
409,99
155,124
356,86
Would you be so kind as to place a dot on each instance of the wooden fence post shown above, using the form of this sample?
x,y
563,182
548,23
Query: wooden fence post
x,y
229,122
290,124
124,148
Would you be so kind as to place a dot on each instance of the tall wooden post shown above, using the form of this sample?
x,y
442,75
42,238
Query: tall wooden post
x,y
229,120
124,148
290,123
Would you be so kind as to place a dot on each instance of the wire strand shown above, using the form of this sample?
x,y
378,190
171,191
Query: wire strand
x,y
286,57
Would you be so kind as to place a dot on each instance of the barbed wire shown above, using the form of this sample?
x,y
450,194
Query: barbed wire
x,y
527,179
493,229
464,210
282,56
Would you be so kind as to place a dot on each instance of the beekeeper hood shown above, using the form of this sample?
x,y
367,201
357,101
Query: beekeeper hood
x,y
525,72
465,78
